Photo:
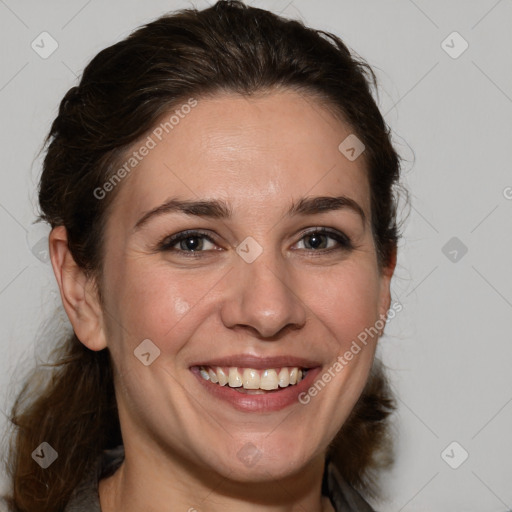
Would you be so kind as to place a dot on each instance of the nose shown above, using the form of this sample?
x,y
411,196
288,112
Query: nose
x,y
261,298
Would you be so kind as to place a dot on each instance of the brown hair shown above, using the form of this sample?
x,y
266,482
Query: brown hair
x,y
123,91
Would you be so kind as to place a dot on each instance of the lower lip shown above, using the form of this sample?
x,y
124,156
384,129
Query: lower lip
x,y
266,402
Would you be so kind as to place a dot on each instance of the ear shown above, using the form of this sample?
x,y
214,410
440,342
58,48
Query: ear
x,y
78,292
385,285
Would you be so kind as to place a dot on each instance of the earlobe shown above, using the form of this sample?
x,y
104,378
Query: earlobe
x,y
386,275
77,291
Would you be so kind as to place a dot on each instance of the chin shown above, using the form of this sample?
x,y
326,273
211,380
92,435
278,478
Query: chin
x,y
265,460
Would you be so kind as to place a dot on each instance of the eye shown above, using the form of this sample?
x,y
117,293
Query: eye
x,y
322,239
194,242
188,242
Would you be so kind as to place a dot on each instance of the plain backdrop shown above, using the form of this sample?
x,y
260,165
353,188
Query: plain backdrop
x,y
446,92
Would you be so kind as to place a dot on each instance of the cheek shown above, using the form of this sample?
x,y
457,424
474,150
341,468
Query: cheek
x,y
161,305
346,302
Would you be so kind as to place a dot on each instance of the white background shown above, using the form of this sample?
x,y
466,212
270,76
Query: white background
x,y
449,351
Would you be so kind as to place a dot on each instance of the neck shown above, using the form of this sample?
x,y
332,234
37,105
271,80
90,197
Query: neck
x,y
151,480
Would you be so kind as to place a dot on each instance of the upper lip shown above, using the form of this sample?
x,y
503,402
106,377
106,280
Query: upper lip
x,y
259,363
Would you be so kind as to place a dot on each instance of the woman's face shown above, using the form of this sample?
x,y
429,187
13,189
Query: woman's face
x,y
271,272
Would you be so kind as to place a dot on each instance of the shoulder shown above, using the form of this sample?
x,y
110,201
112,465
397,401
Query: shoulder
x,y
85,497
343,497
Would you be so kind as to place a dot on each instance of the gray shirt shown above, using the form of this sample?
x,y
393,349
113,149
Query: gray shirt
x,y
85,497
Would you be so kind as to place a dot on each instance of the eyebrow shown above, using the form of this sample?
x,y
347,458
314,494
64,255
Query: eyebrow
x,y
218,209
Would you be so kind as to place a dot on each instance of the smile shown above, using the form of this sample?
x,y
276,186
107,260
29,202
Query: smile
x,y
247,380
266,389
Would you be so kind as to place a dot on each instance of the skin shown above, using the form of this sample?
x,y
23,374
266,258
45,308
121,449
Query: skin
x,y
259,155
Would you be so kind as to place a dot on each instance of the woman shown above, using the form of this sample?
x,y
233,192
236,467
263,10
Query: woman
x,y
221,191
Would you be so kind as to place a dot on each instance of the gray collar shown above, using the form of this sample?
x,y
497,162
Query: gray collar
x,y
85,497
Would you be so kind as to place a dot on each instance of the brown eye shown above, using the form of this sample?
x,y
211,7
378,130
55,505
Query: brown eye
x,y
187,242
191,243
322,239
316,241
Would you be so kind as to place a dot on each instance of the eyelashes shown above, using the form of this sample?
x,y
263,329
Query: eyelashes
x,y
321,235
196,242
195,238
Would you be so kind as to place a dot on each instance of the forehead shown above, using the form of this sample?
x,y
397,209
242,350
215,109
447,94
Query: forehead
x,y
255,152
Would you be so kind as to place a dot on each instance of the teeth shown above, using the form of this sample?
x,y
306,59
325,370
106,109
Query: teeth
x,y
249,378
269,380
223,379
284,377
235,379
213,376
